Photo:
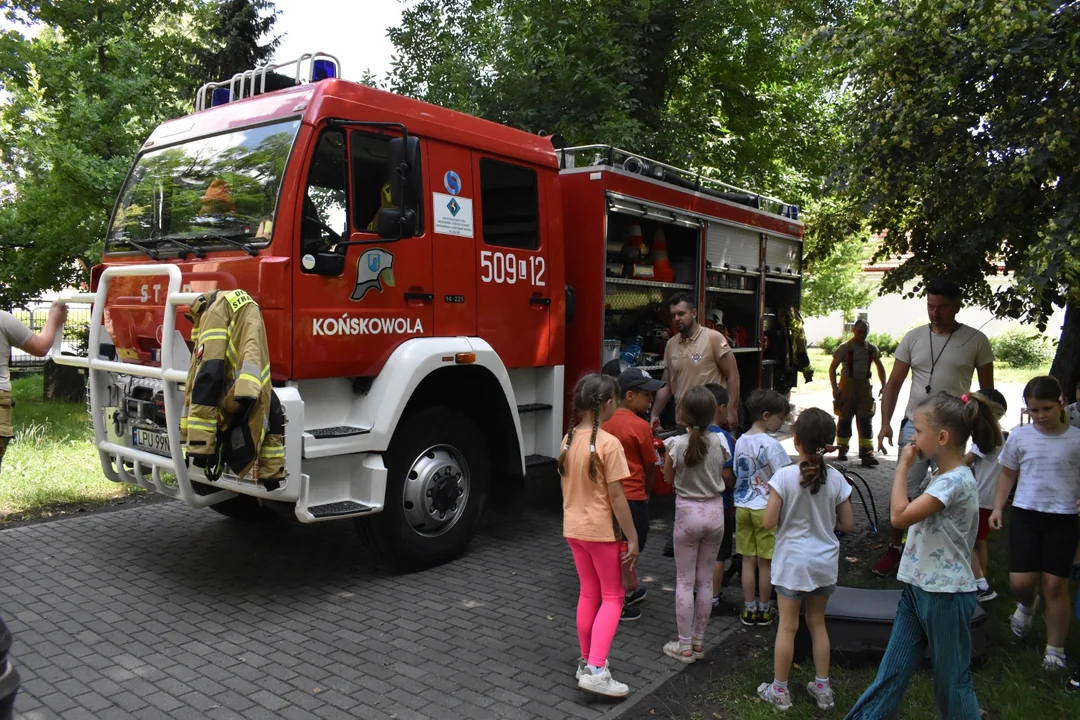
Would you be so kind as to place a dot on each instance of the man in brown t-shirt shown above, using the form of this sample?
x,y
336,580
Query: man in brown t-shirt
x,y
696,356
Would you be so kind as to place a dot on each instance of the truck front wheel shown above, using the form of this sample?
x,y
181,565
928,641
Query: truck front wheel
x,y
437,484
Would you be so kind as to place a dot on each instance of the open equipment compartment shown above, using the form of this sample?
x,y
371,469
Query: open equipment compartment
x,y
782,274
647,261
635,238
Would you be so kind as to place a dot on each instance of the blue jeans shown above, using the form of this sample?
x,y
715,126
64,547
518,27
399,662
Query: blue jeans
x,y
944,621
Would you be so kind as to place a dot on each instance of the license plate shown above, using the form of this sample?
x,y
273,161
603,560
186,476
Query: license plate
x,y
152,441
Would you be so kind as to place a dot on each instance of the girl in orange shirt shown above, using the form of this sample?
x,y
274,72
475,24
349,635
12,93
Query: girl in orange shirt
x,y
592,466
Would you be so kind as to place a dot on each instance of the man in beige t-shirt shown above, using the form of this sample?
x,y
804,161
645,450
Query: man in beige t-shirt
x,y
14,333
941,356
696,356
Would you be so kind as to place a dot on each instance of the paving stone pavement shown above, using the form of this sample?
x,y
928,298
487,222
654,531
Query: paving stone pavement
x,y
163,611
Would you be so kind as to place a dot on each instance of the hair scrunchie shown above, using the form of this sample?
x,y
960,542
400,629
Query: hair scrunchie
x,y
965,398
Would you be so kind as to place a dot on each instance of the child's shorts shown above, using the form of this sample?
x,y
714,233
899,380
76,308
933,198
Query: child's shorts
x,y
753,540
984,525
800,594
1042,542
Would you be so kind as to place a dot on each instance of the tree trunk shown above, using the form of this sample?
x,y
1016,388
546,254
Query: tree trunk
x,y
1066,367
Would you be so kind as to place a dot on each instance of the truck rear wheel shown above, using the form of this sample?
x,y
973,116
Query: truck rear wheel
x,y
437,484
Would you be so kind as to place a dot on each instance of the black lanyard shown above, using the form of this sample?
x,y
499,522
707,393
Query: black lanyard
x,y
934,360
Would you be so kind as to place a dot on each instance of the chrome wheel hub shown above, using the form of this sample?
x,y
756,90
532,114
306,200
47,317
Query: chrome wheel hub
x,y
436,490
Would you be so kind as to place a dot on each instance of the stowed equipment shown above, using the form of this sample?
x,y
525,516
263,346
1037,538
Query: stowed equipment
x,y
232,417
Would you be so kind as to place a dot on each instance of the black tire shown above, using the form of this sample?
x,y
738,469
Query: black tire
x,y
390,533
243,508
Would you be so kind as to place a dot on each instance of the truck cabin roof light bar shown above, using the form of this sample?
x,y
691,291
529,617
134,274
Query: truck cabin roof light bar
x,y
308,68
600,155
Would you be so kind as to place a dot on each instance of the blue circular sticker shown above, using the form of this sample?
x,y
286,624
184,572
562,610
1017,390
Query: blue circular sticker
x,y
452,182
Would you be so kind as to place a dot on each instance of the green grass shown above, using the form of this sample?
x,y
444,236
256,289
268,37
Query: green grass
x,y
51,460
820,361
1011,685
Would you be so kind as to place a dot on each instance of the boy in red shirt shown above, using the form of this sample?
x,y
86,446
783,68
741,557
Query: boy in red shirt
x,y
636,388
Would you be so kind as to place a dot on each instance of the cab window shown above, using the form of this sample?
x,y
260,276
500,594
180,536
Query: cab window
x,y
510,205
371,178
325,210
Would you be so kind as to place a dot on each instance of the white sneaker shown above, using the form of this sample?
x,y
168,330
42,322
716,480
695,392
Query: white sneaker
x,y
1020,622
603,684
1054,661
582,668
823,696
780,699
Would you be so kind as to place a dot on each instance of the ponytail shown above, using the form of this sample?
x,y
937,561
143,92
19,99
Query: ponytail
x,y
697,410
566,450
696,447
594,464
980,415
813,430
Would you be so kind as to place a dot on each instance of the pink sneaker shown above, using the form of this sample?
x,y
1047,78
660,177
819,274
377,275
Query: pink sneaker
x,y
768,692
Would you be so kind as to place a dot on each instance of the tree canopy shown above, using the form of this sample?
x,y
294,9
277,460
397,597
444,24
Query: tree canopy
x,y
714,85
963,148
82,95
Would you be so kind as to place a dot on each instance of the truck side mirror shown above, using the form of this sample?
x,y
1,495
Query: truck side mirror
x,y
329,264
405,163
394,223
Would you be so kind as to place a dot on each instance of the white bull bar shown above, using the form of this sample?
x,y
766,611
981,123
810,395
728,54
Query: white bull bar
x,y
169,373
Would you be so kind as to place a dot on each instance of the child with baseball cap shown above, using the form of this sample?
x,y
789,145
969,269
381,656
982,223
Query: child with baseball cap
x,y
636,391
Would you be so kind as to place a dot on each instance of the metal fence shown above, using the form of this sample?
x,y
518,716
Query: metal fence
x,y
76,333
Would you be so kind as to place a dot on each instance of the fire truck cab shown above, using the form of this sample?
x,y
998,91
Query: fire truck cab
x,y
432,285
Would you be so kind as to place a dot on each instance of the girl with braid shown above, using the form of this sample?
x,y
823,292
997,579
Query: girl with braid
x,y
694,465
806,503
593,466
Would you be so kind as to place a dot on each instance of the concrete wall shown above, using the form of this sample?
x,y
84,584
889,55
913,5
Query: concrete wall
x,y
896,314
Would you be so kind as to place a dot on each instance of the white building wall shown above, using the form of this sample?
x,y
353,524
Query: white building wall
x,y
896,314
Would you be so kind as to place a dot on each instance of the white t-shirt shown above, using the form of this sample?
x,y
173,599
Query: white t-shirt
x,y
1048,467
807,552
704,480
1072,415
937,557
954,360
986,470
13,333
757,457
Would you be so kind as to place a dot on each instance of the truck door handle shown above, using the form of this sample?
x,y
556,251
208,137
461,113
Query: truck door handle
x,y
419,296
539,301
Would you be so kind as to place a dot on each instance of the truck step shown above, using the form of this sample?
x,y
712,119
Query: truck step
x,y
537,462
345,507
338,431
532,407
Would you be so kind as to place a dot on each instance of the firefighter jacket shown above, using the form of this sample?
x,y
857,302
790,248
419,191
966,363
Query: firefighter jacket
x,y
230,410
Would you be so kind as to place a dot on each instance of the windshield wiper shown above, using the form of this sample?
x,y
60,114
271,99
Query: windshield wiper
x,y
245,246
152,252
188,249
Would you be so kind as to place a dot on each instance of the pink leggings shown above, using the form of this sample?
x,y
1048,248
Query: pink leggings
x,y
699,529
600,573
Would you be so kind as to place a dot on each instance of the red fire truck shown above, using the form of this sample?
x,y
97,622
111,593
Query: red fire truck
x,y
432,285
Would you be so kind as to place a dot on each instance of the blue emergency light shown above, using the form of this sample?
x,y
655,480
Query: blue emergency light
x,y
323,69
221,96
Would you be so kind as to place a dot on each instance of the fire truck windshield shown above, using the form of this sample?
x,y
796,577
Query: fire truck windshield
x,y
215,191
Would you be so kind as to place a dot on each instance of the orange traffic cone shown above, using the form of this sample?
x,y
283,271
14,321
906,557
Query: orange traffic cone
x,y
635,244
661,267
